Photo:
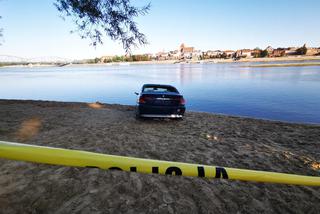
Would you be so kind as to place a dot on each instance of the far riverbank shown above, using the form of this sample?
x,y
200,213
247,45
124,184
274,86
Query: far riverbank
x,y
277,59
266,60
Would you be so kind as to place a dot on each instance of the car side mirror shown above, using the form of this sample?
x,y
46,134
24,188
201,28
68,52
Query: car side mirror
x,y
136,93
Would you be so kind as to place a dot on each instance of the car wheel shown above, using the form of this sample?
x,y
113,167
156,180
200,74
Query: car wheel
x,y
138,117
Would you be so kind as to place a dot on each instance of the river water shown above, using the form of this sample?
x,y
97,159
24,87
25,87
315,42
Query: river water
x,y
276,93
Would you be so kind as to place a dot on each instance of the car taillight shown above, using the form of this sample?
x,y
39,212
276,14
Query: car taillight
x,y
182,101
142,99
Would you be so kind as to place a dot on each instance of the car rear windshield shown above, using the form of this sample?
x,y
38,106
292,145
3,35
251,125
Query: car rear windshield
x,y
159,89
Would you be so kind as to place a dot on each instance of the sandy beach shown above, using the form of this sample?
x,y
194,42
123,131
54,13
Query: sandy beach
x,y
200,138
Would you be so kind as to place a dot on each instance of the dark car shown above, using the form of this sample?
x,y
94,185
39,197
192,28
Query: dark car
x,y
160,101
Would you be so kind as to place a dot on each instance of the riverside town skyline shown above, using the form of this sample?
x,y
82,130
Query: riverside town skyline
x,y
183,52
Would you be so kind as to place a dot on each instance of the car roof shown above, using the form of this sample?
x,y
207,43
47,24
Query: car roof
x,y
159,86
156,85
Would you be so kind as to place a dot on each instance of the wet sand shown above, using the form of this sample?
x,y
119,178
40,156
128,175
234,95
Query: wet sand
x,y
200,138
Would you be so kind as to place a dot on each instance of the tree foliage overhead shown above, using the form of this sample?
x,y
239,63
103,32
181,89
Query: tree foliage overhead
x,y
114,18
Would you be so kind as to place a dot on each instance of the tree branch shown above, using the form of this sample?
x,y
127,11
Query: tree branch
x,y
95,19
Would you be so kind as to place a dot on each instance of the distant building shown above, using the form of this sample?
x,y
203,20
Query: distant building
x,y
269,49
186,52
243,53
162,56
174,55
197,54
212,54
313,51
279,52
229,53
291,51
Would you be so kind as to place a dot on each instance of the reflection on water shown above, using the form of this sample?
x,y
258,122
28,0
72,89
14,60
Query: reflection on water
x,y
280,93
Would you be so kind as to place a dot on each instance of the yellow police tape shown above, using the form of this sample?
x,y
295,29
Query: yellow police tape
x,y
67,157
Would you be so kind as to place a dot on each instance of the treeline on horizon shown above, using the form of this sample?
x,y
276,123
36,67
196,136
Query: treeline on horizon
x,y
131,58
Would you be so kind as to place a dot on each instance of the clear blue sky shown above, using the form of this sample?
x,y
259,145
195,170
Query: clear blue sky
x,y
33,28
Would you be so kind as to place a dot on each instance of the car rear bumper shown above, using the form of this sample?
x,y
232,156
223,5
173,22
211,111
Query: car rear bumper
x,y
162,115
161,111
